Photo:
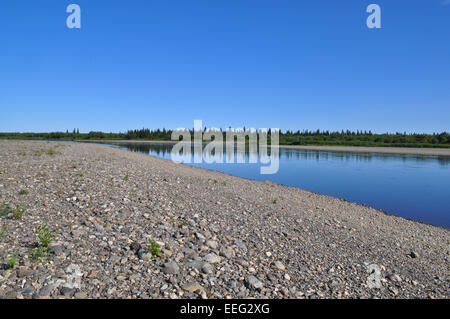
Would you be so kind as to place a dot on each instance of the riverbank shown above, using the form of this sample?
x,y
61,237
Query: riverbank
x,y
358,149
220,236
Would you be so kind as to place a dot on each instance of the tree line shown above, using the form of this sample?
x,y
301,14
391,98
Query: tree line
x,y
305,137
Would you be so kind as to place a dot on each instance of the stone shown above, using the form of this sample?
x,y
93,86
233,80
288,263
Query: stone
x,y
207,268
45,291
67,292
166,253
24,272
57,249
212,244
195,264
227,253
212,258
241,245
394,278
200,236
171,268
252,282
81,295
144,255
27,292
279,265
193,287
414,254
135,247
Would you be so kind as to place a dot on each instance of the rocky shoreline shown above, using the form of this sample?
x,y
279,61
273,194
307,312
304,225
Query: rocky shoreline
x,y
91,221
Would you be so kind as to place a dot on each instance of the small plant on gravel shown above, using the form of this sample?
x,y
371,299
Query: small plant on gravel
x,y
39,254
126,178
23,192
5,209
12,261
52,152
44,235
215,181
38,153
3,232
183,222
274,201
80,174
154,248
18,212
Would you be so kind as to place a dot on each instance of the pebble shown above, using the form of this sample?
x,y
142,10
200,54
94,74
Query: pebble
x,y
252,282
212,258
171,268
414,254
67,292
212,244
193,287
279,265
207,268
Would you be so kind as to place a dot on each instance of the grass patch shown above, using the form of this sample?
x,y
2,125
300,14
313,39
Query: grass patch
x,y
126,178
154,248
44,235
50,152
3,232
40,254
23,192
12,261
16,212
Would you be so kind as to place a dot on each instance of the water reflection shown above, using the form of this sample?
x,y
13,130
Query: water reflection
x,y
244,155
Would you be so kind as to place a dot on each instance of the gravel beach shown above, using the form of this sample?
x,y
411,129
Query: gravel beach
x,y
127,225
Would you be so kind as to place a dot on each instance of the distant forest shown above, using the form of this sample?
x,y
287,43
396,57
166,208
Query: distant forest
x,y
344,138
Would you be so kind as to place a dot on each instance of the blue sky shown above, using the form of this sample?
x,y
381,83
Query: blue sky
x,y
289,64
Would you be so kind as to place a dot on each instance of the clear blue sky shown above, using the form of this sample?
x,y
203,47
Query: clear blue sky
x,y
297,64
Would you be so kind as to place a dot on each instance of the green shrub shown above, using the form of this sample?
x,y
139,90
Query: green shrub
x,y
44,235
12,261
154,248
18,212
39,254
